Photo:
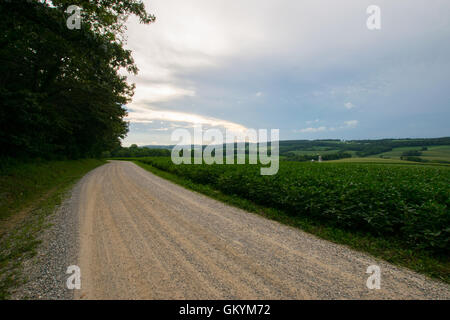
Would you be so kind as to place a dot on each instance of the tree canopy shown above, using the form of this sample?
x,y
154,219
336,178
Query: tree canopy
x,y
61,92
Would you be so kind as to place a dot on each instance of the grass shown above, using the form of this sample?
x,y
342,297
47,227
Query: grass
x,y
30,191
395,153
437,153
387,248
434,153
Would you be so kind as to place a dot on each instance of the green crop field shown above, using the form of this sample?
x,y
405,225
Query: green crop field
x,y
437,153
396,152
436,150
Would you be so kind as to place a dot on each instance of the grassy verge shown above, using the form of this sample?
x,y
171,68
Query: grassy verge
x,y
29,192
388,249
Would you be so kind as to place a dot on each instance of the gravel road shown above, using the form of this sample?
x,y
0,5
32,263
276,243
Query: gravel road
x,y
142,237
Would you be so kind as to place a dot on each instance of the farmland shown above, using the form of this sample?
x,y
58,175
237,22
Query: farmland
x,y
435,150
432,150
432,153
405,205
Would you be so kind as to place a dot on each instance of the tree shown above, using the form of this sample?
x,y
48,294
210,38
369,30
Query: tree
x,y
61,92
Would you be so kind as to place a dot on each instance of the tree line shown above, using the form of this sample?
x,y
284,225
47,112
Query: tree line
x,y
134,151
291,156
61,93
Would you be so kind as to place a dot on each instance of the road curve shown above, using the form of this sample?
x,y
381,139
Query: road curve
x,y
143,237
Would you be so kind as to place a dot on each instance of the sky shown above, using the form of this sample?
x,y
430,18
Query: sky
x,y
310,68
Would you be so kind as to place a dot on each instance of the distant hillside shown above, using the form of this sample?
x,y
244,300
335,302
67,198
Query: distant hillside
x,y
363,147
417,150
413,149
159,147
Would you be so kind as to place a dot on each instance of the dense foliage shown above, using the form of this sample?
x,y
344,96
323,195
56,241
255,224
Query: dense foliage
x,y
61,92
414,159
412,153
409,203
308,157
134,151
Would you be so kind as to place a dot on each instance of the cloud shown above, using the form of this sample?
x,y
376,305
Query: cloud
x,y
351,124
140,114
159,129
349,105
311,129
347,124
160,93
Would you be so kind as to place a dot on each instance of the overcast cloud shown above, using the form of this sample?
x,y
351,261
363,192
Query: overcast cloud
x,y
309,68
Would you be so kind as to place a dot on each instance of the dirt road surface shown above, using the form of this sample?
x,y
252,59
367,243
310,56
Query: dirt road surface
x,y
142,237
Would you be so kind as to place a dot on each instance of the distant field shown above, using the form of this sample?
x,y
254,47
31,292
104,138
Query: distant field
x,y
437,153
396,152
372,160
387,161
434,153
438,149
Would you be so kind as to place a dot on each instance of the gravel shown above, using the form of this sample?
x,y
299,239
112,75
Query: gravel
x,y
45,273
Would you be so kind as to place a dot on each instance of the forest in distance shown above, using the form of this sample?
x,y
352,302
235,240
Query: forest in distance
x,y
433,150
